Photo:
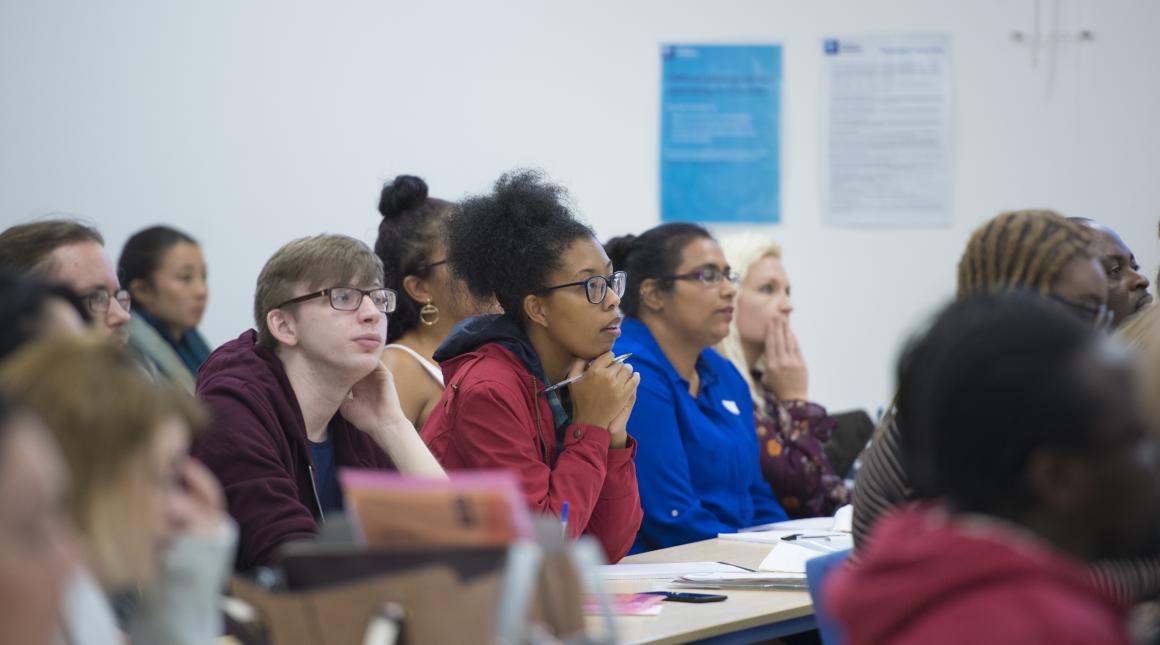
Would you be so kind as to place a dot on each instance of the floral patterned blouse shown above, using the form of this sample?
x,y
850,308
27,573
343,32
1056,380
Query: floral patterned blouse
x,y
791,434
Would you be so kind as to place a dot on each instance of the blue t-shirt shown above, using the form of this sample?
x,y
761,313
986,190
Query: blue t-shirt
x,y
697,464
326,475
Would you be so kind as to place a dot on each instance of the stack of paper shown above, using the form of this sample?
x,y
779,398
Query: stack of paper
x,y
841,522
822,534
666,570
744,580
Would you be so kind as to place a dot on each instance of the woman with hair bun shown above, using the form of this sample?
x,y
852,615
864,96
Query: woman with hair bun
x,y
569,446
698,469
412,245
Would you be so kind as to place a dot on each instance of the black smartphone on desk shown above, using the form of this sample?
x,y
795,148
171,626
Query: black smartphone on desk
x,y
681,596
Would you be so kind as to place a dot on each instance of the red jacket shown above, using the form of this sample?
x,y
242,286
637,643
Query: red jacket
x,y
491,416
256,446
929,577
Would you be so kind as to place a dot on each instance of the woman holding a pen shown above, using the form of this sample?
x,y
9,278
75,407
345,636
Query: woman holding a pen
x,y
697,464
537,390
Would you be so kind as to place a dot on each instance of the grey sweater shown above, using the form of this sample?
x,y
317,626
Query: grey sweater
x,y
182,608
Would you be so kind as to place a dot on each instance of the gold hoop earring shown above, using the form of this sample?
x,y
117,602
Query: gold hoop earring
x,y
429,314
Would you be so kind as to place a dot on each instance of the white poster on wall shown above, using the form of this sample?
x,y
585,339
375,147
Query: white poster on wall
x,y
887,134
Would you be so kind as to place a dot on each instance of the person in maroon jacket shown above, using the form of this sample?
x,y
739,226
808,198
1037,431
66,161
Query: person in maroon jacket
x,y
304,395
1023,427
559,295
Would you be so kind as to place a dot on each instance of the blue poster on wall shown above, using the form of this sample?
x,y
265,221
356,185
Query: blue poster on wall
x,y
720,133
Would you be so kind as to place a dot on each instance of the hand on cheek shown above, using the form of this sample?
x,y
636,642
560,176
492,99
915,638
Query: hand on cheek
x,y
373,403
786,374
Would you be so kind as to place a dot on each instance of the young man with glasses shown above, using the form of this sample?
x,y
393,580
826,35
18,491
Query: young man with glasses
x,y
305,394
66,252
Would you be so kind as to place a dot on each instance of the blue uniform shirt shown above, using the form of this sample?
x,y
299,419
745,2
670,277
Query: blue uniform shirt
x,y
697,465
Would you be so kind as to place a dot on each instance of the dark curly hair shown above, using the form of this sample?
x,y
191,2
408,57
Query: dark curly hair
x,y
412,224
652,254
994,369
508,242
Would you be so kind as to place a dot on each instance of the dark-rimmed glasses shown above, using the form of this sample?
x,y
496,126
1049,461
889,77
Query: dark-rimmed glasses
x,y
708,276
98,301
430,265
596,287
350,298
1098,315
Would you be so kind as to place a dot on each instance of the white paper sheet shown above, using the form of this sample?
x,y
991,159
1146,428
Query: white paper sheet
x,y
666,570
788,557
844,519
841,521
887,131
832,540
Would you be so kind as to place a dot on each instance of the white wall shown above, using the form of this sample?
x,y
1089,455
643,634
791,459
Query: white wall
x,y
250,123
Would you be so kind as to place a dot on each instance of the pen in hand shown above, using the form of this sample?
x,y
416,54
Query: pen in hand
x,y
568,381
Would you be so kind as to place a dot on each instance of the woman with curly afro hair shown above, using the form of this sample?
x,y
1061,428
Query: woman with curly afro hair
x,y
560,299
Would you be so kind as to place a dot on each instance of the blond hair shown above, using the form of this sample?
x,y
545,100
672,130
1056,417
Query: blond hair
x,y
310,264
1027,248
104,412
742,251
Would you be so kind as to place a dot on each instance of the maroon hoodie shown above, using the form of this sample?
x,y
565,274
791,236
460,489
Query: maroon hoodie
x,y
257,448
929,577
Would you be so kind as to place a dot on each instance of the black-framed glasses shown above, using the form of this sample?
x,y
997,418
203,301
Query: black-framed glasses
x,y
708,276
98,301
596,287
430,265
1098,315
350,298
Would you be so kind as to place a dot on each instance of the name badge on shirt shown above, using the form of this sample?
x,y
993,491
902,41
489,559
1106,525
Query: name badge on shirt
x,y
731,406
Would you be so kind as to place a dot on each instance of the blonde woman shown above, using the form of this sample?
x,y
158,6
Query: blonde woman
x,y
152,530
762,346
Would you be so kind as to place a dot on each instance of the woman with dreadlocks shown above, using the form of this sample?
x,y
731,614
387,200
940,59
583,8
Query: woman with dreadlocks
x,y
1036,250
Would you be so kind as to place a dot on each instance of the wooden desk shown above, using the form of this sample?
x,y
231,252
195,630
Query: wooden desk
x,y
746,617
